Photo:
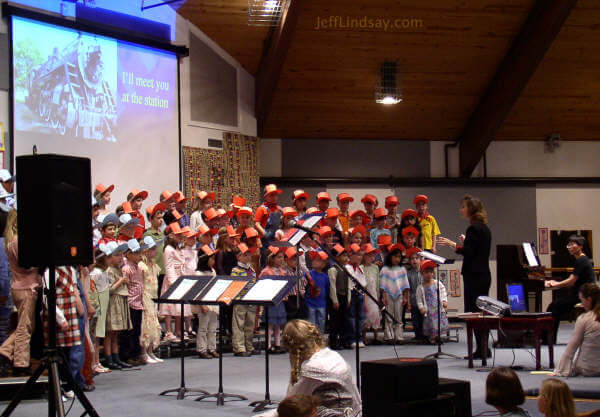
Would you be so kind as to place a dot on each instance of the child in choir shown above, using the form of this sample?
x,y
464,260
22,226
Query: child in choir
x,y
357,300
205,237
254,243
317,290
118,317
339,293
331,220
379,216
415,279
428,224
359,217
323,200
409,237
409,219
370,203
130,347
556,399
155,216
108,228
427,300
101,192
326,235
244,218
6,305
180,206
394,283
384,242
371,272
299,202
295,306
69,306
211,218
204,201
277,314
96,221
208,316
190,254
343,202
237,203
127,228
150,337
267,216
174,264
392,220
505,393
287,215
223,218
136,199
357,234
100,280
169,199
225,257
242,325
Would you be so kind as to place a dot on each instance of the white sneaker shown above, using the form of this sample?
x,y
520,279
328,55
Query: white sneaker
x,y
156,359
69,394
361,345
353,345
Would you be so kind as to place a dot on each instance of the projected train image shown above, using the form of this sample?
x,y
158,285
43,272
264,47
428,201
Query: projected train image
x,y
69,94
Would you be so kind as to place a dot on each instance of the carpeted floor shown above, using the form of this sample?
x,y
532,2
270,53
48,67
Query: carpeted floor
x,y
135,393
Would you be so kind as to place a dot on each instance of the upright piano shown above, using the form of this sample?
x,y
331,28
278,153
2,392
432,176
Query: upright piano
x,y
512,267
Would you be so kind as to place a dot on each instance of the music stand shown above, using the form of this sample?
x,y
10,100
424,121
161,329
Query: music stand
x,y
181,292
440,261
274,298
216,297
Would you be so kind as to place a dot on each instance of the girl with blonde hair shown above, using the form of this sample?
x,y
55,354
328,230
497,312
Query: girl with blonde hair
x,y
556,399
319,371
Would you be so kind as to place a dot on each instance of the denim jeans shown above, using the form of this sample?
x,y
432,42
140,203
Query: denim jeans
x,y
317,317
77,355
357,304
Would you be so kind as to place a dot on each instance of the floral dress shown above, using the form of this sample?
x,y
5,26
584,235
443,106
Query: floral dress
x,y
150,326
430,322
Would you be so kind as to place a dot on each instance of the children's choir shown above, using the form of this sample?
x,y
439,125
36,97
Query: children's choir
x,y
142,247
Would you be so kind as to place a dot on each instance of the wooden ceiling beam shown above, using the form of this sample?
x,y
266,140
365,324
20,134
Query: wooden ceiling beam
x,y
527,51
271,62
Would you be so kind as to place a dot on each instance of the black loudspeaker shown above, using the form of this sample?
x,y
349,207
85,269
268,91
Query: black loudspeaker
x,y
389,381
462,395
55,210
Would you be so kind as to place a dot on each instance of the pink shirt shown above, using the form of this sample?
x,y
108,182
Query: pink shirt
x,y
136,285
191,260
22,279
174,265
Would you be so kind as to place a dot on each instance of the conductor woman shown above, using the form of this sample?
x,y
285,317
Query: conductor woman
x,y
475,248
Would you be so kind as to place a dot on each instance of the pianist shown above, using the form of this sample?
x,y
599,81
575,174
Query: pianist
x,y
586,338
583,272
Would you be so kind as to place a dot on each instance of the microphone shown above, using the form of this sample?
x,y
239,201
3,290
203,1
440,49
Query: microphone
x,y
294,224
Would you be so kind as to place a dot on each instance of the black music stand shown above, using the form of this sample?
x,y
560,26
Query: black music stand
x,y
181,292
275,300
220,395
439,261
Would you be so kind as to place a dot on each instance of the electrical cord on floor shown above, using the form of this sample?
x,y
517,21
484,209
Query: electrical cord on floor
x,y
488,413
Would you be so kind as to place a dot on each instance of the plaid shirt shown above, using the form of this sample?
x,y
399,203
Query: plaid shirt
x,y
135,275
66,285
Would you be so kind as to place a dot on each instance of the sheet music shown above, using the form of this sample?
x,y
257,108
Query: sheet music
x,y
310,220
265,290
182,289
217,289
433,257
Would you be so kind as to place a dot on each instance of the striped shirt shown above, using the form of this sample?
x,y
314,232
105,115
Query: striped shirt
x,y
135,275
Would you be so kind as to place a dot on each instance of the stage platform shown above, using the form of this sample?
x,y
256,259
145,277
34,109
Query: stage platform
x,y
135,393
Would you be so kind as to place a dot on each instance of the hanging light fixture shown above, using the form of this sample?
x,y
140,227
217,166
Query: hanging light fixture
x,y
265,12
387,90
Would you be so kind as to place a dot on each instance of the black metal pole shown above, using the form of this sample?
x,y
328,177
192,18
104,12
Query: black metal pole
x,y
356,334
220,400
267,394
53,407
182,346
